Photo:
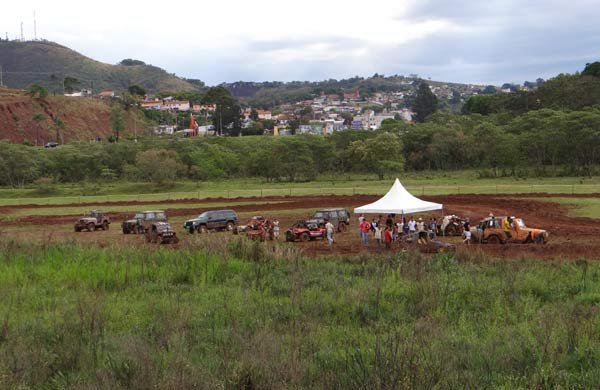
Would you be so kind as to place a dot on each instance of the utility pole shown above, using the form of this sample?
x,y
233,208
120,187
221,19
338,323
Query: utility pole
x,y
1,80
34,27
220,124
22,39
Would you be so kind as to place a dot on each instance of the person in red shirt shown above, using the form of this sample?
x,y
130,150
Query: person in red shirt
x,y
387,237
365,228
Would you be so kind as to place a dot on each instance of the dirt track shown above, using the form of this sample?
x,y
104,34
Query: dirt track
x,y
570,237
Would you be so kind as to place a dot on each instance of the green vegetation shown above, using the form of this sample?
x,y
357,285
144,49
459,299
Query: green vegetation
x,y
45,191
49,64
579,207
238,315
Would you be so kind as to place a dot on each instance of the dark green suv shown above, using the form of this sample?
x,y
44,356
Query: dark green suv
x,y
339,217
212,220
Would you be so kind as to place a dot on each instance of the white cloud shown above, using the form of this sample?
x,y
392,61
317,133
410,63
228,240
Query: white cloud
x,y
315,39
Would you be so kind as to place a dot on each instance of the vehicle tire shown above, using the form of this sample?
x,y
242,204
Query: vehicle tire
x,y
342,227
494,240
202,229
450,230
77,229
91,227
105,226
304,237
126,231
148,237
175,240
230,226
289,236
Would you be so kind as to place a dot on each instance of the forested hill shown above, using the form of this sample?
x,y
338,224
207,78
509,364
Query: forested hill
x,y
48,64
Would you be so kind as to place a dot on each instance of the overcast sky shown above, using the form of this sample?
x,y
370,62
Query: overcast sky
x,y
484,41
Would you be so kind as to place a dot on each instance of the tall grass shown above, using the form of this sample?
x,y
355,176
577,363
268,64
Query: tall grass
x,y
253,315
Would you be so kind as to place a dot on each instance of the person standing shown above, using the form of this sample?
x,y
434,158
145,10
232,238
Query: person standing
x,y
329,230
365,228
378,236
387,238
412,229
422,234
433,227
276,229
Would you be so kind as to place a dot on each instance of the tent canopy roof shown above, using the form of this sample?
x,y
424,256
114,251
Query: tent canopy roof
x,y
398,201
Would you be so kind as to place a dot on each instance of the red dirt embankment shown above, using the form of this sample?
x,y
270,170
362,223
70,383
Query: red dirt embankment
x,y
84,118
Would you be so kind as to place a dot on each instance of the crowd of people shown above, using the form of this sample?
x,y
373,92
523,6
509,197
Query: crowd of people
x,y
392,229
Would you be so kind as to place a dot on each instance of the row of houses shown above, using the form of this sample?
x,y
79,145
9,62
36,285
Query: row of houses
x,y
170,104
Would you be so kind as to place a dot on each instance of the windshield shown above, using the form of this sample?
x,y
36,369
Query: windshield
x,y
139,216
203,215
520,223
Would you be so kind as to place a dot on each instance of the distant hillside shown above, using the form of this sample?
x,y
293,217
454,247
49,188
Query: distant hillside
x,y
23,118
48,63
271,93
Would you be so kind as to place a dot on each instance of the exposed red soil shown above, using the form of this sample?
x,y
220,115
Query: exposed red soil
x,y
84,118
570,237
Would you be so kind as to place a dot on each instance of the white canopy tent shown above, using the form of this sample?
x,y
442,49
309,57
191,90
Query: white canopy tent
x,y
398,201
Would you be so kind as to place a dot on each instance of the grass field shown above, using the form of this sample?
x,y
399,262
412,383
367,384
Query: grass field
x,y
421,184
243,315
584,207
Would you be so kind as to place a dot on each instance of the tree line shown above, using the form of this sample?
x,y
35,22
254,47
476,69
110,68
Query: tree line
x,y
540,142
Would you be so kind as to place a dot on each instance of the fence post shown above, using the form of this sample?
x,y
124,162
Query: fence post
x,y
572,189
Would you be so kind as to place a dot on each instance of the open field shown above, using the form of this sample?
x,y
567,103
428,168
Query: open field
x,y
571,236
213,314
462,182
108,310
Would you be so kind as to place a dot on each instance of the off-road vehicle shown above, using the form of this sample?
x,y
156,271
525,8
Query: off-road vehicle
x,y
161,233
140,223
252,223
306,230
451,225
339,217
95,219
490,230
212,220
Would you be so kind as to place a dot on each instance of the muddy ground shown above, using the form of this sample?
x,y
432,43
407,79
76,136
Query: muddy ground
x,y
570,237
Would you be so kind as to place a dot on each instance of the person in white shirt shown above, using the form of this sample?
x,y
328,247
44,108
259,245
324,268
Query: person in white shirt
x,y
276,229
329,230
378,236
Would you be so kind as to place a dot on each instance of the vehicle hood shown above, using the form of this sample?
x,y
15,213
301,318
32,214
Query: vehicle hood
x,y
128,221
193,220
87,219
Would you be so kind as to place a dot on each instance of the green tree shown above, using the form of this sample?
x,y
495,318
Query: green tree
x,y
37,91
254,115
136,90
227,117
70,83
117,122
158,166
38,118
425,102
58,126
379,155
